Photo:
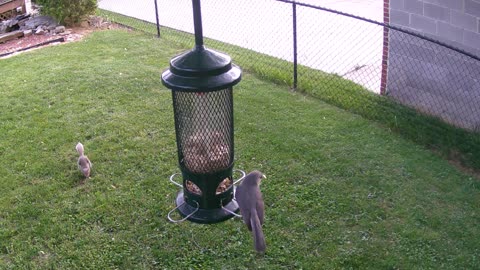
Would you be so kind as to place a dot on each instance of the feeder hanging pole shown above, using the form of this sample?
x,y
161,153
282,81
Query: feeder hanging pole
x,y
197,20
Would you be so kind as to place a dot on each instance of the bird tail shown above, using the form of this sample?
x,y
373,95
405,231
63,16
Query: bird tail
x,y
79,148
257,232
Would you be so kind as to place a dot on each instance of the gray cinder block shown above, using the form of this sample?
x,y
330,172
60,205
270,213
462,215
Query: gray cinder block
x,y
436,12
414,6
463,20
399,17
450,32
423,23
472,8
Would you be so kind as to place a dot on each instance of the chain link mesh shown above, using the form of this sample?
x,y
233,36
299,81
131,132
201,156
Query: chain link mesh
x,y
344,46
411,83
435,80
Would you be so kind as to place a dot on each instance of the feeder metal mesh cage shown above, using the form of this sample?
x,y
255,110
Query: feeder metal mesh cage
x,y
204,128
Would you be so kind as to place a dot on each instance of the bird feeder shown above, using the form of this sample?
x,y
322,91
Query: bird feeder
x,y
201,81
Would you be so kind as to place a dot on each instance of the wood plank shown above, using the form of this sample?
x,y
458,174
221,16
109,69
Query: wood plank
x,y
10,35
11,5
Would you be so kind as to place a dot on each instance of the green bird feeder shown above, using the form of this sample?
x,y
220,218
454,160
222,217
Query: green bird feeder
x,y
201,81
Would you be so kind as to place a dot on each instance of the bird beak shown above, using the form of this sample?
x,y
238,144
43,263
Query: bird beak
x,y
264,176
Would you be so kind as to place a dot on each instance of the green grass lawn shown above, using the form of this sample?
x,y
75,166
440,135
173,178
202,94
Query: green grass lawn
x,y
341,192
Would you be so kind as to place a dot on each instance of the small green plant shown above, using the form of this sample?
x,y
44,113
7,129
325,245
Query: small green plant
x,y
68,12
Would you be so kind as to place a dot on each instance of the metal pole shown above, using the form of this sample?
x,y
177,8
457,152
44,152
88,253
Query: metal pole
x,y
158,22
295,64
197,20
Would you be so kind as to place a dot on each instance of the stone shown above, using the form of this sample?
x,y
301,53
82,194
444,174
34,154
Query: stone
x,y
59,29
9,26
34,22
39,31
21,23
65,33
27,33
12,23
51,27
3,28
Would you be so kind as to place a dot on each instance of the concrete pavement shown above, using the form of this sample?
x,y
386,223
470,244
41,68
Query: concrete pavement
x,y
326,41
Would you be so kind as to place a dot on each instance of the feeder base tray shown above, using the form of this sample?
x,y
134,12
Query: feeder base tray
x,y
205,216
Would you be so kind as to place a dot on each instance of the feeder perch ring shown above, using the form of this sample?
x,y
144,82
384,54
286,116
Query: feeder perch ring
x,y
241,178
173,181
183,219
231,212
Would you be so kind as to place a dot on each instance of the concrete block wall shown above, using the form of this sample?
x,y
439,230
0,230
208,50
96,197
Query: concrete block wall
x,y
456,22
429,77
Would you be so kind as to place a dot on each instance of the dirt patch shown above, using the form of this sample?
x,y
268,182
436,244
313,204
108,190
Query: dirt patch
x,y
28,43
455,159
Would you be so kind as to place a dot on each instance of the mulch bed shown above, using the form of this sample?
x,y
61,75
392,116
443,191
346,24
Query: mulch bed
x,y
22,44
33,41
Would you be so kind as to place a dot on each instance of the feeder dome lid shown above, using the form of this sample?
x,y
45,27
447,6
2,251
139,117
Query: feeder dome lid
x,y
201,70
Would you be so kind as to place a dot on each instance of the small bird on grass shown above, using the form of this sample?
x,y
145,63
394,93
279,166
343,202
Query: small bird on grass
x,y
250,201
84,164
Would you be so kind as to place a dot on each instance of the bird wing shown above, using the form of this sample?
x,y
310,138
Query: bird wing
x,y
242,200
260,210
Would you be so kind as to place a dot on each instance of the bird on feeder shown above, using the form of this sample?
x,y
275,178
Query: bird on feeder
x,y
84,164
250,202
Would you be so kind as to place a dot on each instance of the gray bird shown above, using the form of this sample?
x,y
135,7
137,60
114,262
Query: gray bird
x,y
84,164
250,201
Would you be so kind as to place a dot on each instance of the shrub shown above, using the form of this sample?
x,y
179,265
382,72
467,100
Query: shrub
x,y
68,12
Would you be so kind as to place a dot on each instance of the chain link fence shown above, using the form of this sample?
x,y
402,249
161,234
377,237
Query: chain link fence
x,y
423,88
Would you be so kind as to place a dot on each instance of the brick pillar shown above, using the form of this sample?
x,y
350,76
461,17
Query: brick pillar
x,y
386,20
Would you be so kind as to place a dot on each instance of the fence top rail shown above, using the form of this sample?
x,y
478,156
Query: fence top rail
x,y
396,28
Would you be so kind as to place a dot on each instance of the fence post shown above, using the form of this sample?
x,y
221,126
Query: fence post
x,y
158,22
295,70
386,20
